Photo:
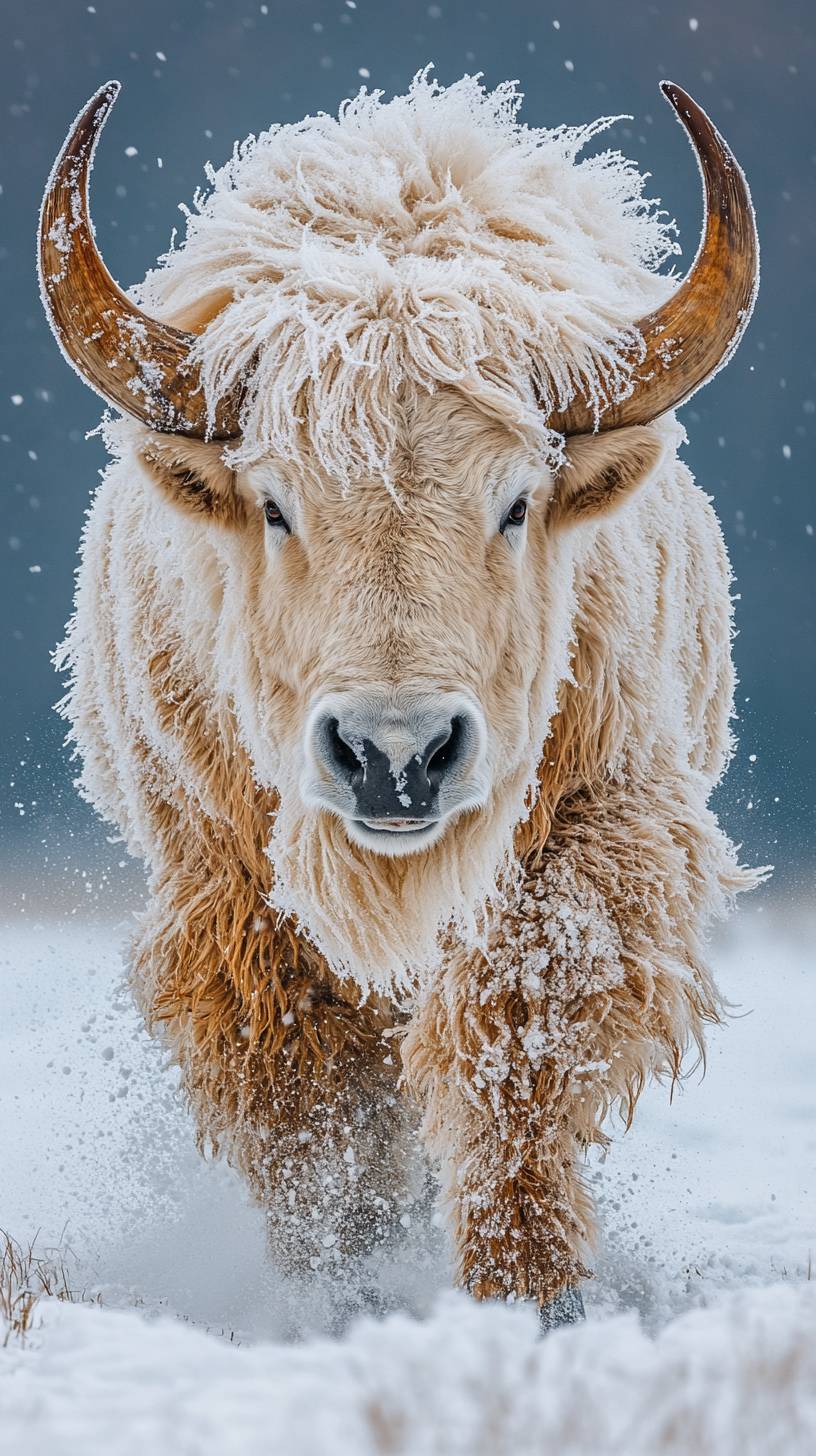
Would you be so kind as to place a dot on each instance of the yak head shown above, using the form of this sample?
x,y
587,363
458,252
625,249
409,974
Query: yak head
x,y
403,640
398,636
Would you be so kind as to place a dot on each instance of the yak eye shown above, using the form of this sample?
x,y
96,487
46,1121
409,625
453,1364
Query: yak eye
x,y
516,515
274,516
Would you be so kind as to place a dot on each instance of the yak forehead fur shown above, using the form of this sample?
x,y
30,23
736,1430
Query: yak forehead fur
x,y
426,259
430,240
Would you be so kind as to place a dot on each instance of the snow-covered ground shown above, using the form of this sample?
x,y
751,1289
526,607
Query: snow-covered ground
x,y
708,1200
739,1380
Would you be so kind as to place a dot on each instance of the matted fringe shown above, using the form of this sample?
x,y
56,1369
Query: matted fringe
x,y
425,241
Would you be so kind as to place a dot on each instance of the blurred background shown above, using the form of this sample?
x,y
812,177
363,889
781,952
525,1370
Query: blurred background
x,y
199,74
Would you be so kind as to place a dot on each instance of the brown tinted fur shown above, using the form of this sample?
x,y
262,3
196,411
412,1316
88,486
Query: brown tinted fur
x,y
224,980
279,1060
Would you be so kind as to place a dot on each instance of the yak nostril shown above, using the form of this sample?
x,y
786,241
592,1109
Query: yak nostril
x,y
342,753
443,755
368,759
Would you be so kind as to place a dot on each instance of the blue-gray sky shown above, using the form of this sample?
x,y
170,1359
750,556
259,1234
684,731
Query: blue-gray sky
x,y
199,74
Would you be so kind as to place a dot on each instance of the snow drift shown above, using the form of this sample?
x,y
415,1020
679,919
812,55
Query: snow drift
x,y
475,1380
91,1132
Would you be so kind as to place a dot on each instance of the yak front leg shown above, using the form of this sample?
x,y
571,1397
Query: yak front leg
x,y
324,1137
511,1054
288,1075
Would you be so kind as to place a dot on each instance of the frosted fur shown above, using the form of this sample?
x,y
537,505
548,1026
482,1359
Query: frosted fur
x,y
428,240
193,601
407,280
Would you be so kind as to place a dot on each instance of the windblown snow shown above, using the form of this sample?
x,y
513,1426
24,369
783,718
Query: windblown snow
x,y
701,1335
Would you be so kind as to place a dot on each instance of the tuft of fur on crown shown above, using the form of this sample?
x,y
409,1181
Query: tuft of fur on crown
x,y
424,241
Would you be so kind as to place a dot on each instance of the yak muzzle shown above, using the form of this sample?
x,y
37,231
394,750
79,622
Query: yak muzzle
x,y
396,765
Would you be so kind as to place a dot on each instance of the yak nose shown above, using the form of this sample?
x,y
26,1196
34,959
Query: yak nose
x,y
401,763
388,784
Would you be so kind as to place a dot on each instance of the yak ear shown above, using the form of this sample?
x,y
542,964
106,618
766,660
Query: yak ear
x,y
195,476
601,471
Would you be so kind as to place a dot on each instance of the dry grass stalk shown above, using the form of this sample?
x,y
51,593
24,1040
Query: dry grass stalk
x,y
26,1274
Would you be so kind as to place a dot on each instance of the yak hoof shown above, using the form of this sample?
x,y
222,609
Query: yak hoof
x,y
567,1308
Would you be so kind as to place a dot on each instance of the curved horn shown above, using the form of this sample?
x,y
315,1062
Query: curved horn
x,y
133,361
697,330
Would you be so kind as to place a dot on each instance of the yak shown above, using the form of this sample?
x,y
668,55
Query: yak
x,y
401,654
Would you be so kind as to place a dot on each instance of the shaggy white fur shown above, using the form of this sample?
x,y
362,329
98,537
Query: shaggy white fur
x,y
404,248
431,239
403,289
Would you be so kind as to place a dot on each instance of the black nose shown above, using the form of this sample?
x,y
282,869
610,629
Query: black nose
x,y
380,791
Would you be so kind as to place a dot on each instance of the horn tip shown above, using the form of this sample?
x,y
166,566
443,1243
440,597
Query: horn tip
x,y
674,94
108,92
101,103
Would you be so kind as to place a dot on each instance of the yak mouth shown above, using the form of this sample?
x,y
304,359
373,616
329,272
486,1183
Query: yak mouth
x,y
395,837
396,826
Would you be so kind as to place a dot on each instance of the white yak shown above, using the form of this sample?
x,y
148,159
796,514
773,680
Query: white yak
x,y
401,653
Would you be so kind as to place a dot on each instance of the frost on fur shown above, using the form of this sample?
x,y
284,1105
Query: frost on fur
x,y
429,240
